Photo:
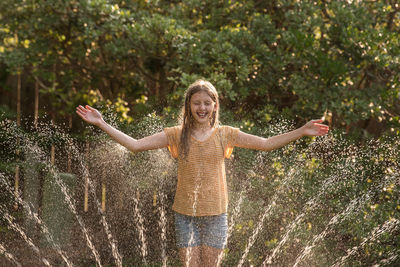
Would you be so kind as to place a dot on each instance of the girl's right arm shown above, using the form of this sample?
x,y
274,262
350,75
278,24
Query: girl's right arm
x,y
93,116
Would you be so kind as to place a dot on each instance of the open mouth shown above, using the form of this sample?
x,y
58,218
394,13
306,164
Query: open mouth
x,y
202,114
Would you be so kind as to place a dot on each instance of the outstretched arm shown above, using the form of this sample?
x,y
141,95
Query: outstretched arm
x,y
312,128
93,116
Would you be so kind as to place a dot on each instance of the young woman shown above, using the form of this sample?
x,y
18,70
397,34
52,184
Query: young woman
x,y
200,145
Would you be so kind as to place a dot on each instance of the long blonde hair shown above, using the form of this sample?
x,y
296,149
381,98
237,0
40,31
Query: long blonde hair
x,y
187,116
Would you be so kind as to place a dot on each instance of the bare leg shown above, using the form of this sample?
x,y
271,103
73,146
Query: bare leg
x,y
210,256
190,257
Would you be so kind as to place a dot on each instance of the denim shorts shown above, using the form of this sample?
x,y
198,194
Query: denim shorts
x,y
193,231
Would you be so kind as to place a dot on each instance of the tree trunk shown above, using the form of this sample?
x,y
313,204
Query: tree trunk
x,y
86,196
36,113
16,187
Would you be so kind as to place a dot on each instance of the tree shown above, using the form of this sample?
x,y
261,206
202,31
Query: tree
x,y
282,58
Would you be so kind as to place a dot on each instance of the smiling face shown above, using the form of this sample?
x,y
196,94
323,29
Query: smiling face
x,y
202,108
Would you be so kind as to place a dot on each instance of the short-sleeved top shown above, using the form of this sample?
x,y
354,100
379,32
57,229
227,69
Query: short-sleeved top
x,y
201,189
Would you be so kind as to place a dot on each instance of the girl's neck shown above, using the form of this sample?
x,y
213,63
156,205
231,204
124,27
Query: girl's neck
x,y
201,127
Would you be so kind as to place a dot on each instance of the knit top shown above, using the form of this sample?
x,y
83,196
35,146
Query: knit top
x,y
201,189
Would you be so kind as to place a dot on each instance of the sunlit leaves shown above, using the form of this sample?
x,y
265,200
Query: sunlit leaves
x,y
299,58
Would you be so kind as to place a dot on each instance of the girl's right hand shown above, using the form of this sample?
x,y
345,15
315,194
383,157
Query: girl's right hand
x,y
89,114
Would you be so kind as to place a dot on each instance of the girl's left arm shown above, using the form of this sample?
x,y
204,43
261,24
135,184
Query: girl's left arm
x,y
312,128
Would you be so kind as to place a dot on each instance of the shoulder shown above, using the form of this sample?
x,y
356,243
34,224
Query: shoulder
x,y
226,129
173,129
229,133
229,136
173,133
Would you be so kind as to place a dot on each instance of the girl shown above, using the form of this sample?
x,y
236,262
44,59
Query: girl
x,y
200,145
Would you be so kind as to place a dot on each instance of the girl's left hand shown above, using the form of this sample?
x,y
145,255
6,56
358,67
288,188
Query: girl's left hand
x,y
315,128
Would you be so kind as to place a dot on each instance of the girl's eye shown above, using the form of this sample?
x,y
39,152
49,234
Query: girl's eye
x,y
199,103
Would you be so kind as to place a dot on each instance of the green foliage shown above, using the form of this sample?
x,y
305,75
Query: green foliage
x,y
297,59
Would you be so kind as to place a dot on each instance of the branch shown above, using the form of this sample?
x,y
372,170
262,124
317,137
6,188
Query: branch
x,y
324,10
